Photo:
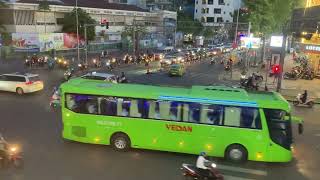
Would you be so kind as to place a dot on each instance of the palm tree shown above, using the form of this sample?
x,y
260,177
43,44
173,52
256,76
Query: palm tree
x,y
44,7
3,4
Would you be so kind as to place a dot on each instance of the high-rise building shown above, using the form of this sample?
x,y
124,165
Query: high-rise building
x,y
214,12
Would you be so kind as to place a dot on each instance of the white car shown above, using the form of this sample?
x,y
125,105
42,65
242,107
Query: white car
x,y
101,76
20,83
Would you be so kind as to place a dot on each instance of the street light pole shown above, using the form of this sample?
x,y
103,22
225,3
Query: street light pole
x,y
235,35
78,40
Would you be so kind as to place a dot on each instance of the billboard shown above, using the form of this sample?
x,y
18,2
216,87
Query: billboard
x,y
51,41
26,42
250,42
70,41
276,41
34,42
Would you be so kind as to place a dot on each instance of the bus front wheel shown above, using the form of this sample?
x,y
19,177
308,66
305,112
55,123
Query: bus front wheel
x,y
120,142
236,153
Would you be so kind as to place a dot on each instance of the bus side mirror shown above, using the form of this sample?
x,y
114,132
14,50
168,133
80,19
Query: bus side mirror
x,y
300,128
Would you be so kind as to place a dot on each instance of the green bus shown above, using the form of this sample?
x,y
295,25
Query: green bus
x,y
222,121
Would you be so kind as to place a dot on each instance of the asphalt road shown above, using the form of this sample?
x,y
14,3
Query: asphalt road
x,y
28,121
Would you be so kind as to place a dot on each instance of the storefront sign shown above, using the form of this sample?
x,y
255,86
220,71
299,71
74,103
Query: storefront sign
x,y
311,48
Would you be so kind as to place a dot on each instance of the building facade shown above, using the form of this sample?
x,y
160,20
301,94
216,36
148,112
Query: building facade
x,y
214,12
161,4
139,3
24,16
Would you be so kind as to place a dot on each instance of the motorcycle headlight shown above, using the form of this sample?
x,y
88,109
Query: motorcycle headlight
x,y
79,65
94,61
113,59
65,62
13,149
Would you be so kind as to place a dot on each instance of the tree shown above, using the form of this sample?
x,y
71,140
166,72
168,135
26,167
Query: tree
x,y
188,25
70,24
3,4
44,7
208,32
269,16
134,32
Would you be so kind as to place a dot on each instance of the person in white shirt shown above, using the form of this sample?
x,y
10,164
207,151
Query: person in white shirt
x,y
201,165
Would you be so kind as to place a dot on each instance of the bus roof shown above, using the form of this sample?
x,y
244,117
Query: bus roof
x,y
205,94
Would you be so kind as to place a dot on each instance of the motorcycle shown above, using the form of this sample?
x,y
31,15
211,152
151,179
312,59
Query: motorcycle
x,y
68,74
193,172
297,101
122,80
55,100
82,66
212,61
96,63
227,68
290,75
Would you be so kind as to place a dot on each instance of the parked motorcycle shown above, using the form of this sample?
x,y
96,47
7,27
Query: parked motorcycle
x,y
297,101
193,172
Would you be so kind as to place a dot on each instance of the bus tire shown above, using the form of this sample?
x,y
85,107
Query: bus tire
x,y
120,142
236,153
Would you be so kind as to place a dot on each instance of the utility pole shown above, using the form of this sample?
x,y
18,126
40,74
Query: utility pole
x,y
78,40
235,35
282,57
86,42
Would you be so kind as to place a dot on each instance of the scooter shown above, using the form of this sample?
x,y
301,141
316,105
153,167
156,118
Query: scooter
x,y
55,100
297,101
212,61
193,172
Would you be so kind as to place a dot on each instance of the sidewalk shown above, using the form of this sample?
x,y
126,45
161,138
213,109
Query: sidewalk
x,y
289,88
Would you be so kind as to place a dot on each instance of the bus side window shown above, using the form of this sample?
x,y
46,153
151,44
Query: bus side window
x,y
152,110
250,118
164,109
143,108
123,106
108,106
194,112
212,114
175,111
134,109
232,116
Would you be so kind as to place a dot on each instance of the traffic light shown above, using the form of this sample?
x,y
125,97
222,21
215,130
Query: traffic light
x,y
104,23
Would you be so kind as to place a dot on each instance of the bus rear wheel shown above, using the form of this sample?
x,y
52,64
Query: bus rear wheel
x,y
120,142
236,153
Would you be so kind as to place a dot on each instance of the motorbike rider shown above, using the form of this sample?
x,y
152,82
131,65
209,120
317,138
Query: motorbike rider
x,y
122,78
304,96
201,165
4,150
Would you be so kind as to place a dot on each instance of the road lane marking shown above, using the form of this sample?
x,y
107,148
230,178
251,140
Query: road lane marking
x,y
243,170
226,177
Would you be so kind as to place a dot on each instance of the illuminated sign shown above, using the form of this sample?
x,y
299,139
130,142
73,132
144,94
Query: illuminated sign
x,y
178,128
250,42
310,48
276,41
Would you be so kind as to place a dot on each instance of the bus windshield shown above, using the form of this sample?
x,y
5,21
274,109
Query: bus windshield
x,y
279,129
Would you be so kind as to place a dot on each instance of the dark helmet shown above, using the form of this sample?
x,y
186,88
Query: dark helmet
x,y
203,154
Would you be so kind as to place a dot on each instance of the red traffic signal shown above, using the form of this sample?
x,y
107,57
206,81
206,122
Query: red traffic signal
x,y
104,22
276,69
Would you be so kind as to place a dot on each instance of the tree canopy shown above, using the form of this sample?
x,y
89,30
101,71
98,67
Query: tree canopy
x,y
44,6
70,24
188,25
2,5
270,16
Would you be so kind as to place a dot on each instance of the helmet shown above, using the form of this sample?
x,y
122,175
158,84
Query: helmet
x,y
203,154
